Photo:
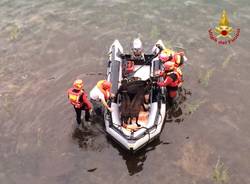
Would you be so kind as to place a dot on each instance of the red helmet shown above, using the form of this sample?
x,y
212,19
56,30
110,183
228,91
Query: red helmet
x,y
168,66
106,85
164,57
78,84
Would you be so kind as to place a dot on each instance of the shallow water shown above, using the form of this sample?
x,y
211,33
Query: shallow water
x,y
45,45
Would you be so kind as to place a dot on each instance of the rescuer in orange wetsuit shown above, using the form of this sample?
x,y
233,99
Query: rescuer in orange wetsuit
x,y
78,98
178,58
172,80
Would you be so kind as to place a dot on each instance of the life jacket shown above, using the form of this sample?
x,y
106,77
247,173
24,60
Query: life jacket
x,y
180,76
130,66
74,97
106,93
178,70
176,80
176,60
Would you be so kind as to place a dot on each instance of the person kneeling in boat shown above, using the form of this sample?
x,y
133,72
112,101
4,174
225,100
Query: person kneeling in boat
x,y
137,50
101,92
172,80
78,98
137,55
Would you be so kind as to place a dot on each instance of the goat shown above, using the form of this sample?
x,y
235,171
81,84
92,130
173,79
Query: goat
x,y
136,104
132,98
125,105
125,101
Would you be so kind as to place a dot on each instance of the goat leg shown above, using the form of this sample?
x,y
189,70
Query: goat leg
x,y
137,121
130,120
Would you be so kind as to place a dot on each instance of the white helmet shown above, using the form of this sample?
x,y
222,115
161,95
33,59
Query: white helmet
x,y
137,47
137,44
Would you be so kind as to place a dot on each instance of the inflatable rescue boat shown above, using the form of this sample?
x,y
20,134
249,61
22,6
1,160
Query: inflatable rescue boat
x,y
136,133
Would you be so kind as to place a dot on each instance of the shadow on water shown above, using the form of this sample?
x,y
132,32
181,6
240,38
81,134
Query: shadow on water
x,y
135,161
175,113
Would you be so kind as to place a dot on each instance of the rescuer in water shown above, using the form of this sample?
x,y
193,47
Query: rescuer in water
x,y
78,98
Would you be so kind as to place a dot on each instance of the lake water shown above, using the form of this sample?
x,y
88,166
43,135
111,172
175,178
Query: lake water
x,y
45,45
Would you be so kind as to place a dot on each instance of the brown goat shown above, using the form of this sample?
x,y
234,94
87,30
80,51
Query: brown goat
x,y
132,98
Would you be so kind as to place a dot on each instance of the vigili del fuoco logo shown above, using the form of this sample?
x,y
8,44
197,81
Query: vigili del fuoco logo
x,y
223,34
